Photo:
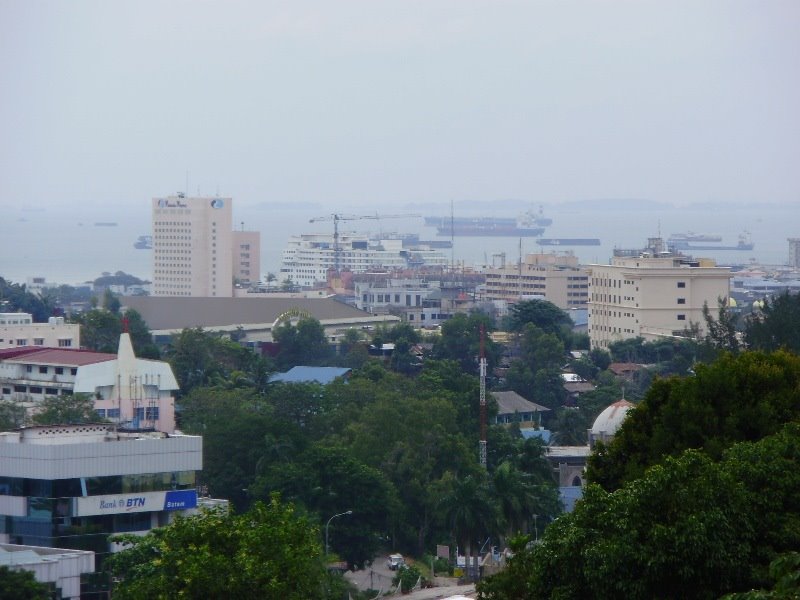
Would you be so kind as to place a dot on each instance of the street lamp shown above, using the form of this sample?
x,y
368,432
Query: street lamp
x,y
348,512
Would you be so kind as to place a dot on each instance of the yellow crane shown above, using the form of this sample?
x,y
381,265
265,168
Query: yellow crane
x,y
336,217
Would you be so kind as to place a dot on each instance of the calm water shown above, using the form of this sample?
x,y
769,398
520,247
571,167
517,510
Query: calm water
x,y
64,245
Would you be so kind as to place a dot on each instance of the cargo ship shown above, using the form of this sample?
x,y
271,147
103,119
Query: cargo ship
x,y
528,224
568,242
691,236
744,244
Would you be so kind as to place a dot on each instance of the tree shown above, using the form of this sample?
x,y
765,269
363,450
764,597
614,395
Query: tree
x,y
688,528
302,344
268,552
570,427
66,409
737,398
12,415
14,297
468,510
721,332
328,481
776,326
21,585
460,340
543,314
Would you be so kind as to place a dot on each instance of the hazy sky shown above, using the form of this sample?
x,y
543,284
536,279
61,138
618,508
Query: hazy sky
x,y
393,102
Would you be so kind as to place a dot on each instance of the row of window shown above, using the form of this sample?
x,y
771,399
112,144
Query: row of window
x,y
57,370
96,486
34,389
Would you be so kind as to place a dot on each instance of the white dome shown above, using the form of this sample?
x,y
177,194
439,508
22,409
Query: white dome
x,y
608,421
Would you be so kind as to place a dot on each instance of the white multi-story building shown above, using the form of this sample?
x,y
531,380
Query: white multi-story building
x,y
192,246
71,486
418,301
126,390
651,296
555,277
308,257
17,330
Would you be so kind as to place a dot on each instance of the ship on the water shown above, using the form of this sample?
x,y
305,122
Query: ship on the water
x,y
744,243
145,242
529,224
568,242
691,236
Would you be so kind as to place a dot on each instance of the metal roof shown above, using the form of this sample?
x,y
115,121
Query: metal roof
x,y
323,375
512,402
61,357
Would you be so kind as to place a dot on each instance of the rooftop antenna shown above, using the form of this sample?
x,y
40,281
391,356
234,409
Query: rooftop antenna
x,y
482,447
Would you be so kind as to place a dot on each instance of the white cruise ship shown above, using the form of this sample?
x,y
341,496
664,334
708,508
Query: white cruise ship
x,y
308,257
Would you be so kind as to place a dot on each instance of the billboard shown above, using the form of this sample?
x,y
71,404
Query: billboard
x,y
130,503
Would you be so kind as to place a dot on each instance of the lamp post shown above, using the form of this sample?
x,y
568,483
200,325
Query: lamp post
x,y
347,512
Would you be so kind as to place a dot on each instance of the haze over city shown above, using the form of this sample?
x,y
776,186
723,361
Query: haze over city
x,y
395,103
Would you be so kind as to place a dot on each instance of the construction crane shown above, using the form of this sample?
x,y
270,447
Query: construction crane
x,y
336,217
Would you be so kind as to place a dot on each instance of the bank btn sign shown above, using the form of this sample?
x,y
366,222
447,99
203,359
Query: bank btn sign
x,y
129,503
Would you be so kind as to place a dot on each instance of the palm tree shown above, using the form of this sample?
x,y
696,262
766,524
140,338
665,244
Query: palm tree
x,y
469,511
516,496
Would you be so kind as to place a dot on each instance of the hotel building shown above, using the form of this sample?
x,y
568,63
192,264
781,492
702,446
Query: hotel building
x,y
192,247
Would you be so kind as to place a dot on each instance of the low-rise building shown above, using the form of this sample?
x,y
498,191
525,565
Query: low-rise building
x,y
557,278
72,486
62,568
125,389
17,330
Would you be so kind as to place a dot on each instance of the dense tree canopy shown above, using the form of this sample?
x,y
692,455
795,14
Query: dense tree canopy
x,y
66,409
776,325
21,585
14,297
302,344
688,528
544,315
737,398
268,552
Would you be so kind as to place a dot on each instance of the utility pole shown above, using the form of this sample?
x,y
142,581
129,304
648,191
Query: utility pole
x,y
483,399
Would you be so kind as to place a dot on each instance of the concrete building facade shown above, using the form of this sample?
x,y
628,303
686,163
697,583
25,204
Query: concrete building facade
x,y
246,257
794,252
558,278
651,296
17,330
126,390
71,486
192,246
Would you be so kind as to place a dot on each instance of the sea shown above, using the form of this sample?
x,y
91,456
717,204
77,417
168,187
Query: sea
x,y
74,244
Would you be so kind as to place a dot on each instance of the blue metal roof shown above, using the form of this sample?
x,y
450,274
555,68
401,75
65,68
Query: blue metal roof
x,y
323,375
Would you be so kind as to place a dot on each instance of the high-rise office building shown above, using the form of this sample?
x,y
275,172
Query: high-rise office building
x,y
192,246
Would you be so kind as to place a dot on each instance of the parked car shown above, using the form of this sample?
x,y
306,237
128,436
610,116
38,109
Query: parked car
x,y
395,561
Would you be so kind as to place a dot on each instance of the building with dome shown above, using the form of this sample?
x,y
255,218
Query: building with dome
x,y
608,422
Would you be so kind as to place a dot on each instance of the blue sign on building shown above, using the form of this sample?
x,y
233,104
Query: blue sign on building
x,y
180,499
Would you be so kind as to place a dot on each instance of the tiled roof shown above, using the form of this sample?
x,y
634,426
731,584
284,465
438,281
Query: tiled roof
x,y
62,357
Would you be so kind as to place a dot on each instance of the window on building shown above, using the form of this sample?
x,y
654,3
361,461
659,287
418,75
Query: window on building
x,y
64,343
51,391
43,370
20,389
38,341
21,342
681,317
113,413
681,300
6,391
35,389
73,371
681,284
59,370
29,368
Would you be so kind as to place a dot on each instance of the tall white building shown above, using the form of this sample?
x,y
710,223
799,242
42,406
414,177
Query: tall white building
x,y
308,257
192,246
651,296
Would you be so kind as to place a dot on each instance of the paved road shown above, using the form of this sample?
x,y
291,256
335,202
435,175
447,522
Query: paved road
x,y
379,577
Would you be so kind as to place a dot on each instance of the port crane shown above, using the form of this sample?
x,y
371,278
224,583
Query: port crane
x,y
336,217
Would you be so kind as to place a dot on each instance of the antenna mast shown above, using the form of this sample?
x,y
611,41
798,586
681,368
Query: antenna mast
x,y
483,400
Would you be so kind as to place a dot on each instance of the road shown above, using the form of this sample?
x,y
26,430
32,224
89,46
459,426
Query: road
x,y
379,577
